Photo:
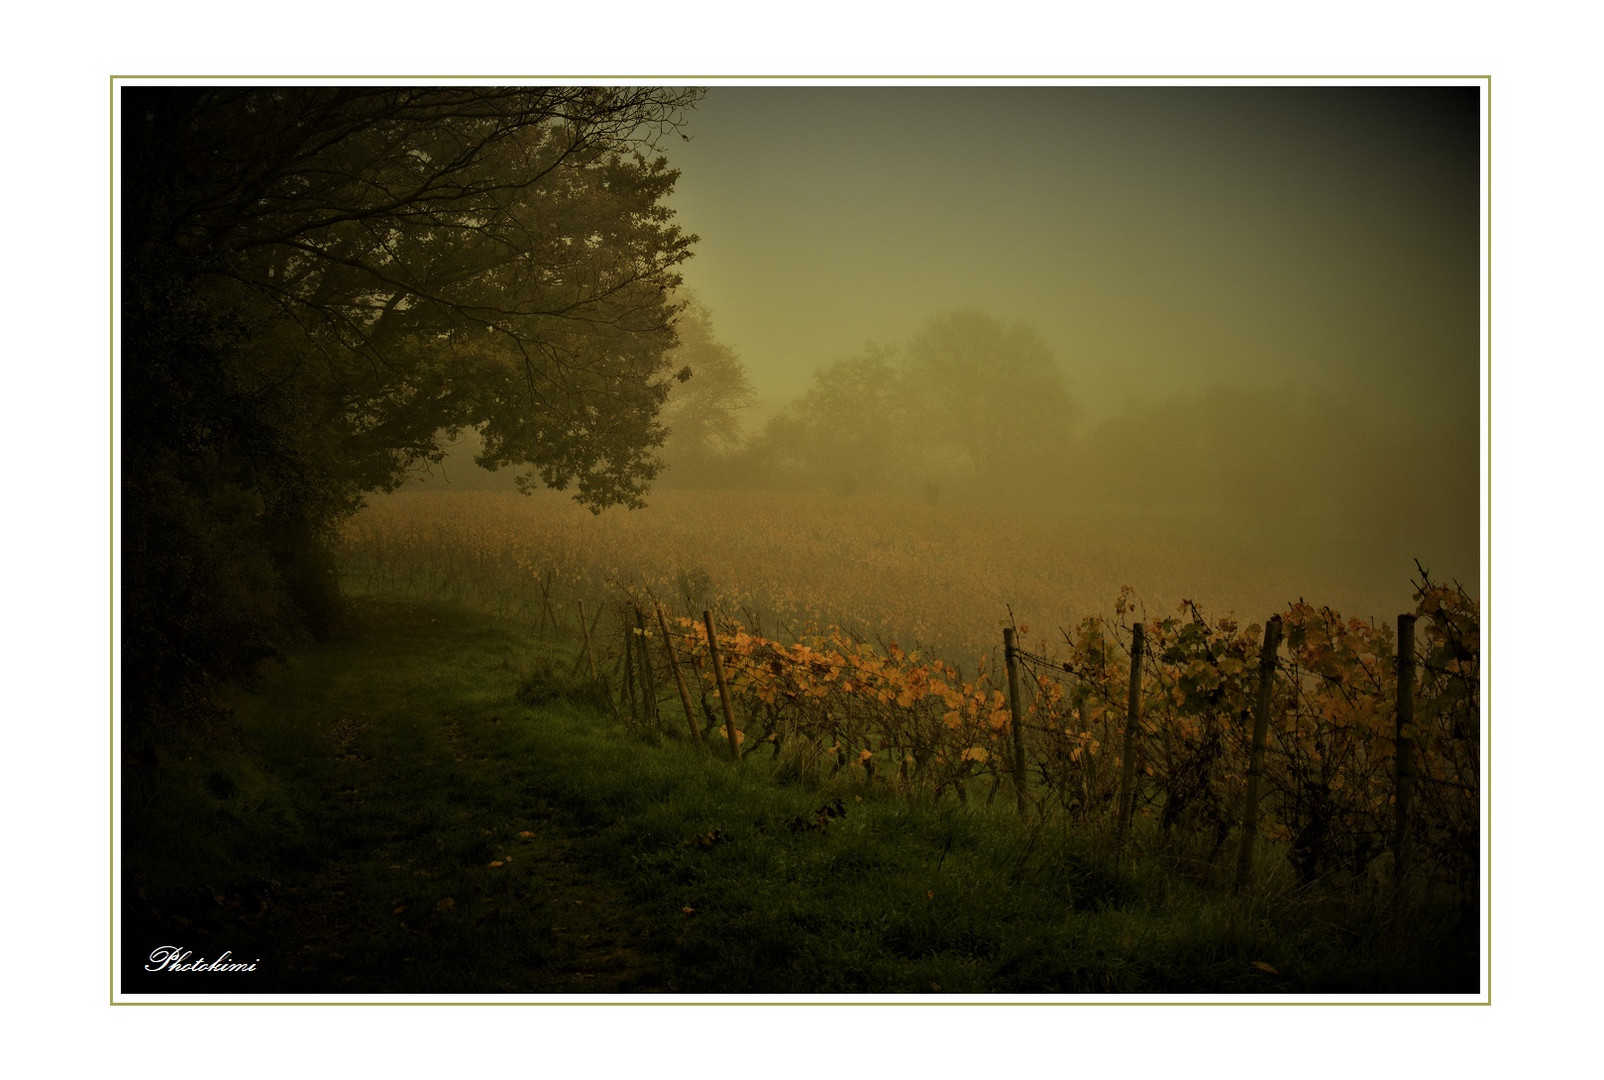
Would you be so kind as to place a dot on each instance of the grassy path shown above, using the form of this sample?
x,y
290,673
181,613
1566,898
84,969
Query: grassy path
x,y
388,819
352,841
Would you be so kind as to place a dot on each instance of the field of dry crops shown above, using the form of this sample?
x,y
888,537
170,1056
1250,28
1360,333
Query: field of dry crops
x,y
920,595
943,577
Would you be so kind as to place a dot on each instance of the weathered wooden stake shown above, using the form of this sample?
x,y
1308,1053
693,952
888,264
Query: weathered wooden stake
x,y
590,657
679,678
1261,731
1017,725
648,682
723,687
1404,766
545,604
1133,718
629,671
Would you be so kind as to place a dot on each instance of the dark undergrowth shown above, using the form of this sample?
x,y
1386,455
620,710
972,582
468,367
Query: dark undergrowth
x,y
429,804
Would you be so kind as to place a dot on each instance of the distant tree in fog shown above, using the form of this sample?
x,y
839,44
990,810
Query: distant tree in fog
x,y
989,393
847,432
703,410
968,400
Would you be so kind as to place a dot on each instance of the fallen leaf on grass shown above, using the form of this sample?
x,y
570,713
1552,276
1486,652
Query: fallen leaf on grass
x,y
498,862
399,910
527,835
1266,968
687,911
445,904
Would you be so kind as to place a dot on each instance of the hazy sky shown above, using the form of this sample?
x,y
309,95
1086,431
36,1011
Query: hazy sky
x,y
1160,238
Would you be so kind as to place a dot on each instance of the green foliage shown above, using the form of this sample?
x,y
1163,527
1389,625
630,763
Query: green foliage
x,y
395,823
702,413
544,683
322,283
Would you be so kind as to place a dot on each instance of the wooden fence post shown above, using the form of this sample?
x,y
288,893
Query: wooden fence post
x,y
590,657
1017,727
545,603
648,681
629,669
1404,766
1133,716
679,678
723,687
1261,731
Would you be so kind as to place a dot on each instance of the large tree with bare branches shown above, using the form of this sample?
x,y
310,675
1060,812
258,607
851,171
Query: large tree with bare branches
x,y
317,281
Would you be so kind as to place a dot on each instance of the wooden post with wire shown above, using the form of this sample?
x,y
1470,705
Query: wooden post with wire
x,y
1017,726
679,679
628,676
1261,731
590,657
723,687
648,680
1133,719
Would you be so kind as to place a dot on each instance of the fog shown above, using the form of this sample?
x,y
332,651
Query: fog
x,y
1263,301
431,396
1239,321
1161,239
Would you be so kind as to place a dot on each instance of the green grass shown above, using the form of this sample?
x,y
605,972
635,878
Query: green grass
x,y
344,834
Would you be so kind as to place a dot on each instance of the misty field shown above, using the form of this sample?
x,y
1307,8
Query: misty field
x,y
437,799
1129,521
940,577
861,636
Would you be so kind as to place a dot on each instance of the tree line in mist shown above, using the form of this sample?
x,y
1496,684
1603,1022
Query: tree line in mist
x,y
972,410
325,288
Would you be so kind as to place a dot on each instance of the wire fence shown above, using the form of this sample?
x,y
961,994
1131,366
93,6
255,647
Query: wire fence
x,y
1169,754
1170,763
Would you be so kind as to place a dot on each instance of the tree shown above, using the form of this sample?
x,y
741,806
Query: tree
x,y
847,431
703,410
987,393
318,281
